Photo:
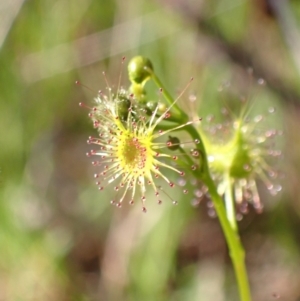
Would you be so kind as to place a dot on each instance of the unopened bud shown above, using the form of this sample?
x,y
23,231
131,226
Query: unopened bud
x,y
173,143
139,70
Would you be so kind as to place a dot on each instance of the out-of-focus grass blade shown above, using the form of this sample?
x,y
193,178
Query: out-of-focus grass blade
x,y
97,46
9,9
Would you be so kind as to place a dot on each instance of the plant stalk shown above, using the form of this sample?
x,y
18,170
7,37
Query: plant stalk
x,y
236,250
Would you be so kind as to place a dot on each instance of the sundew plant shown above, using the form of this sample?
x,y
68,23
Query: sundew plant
x,y
137,148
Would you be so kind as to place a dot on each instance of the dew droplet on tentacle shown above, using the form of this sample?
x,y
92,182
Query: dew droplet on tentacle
x,y
195,202
212,213
261,81
181,182
239,217
198,193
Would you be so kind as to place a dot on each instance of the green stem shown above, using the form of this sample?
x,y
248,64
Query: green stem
x,y
236,250
179,114
229,202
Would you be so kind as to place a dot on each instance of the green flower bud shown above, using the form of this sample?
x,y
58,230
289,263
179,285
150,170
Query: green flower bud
x,y
138,92
241,166
173,143
139,70
232,156
123,105
152,105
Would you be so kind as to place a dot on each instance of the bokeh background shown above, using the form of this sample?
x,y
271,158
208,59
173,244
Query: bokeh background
x,y
60,239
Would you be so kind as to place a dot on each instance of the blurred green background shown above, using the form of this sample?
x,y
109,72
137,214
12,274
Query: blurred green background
x,y
60,239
